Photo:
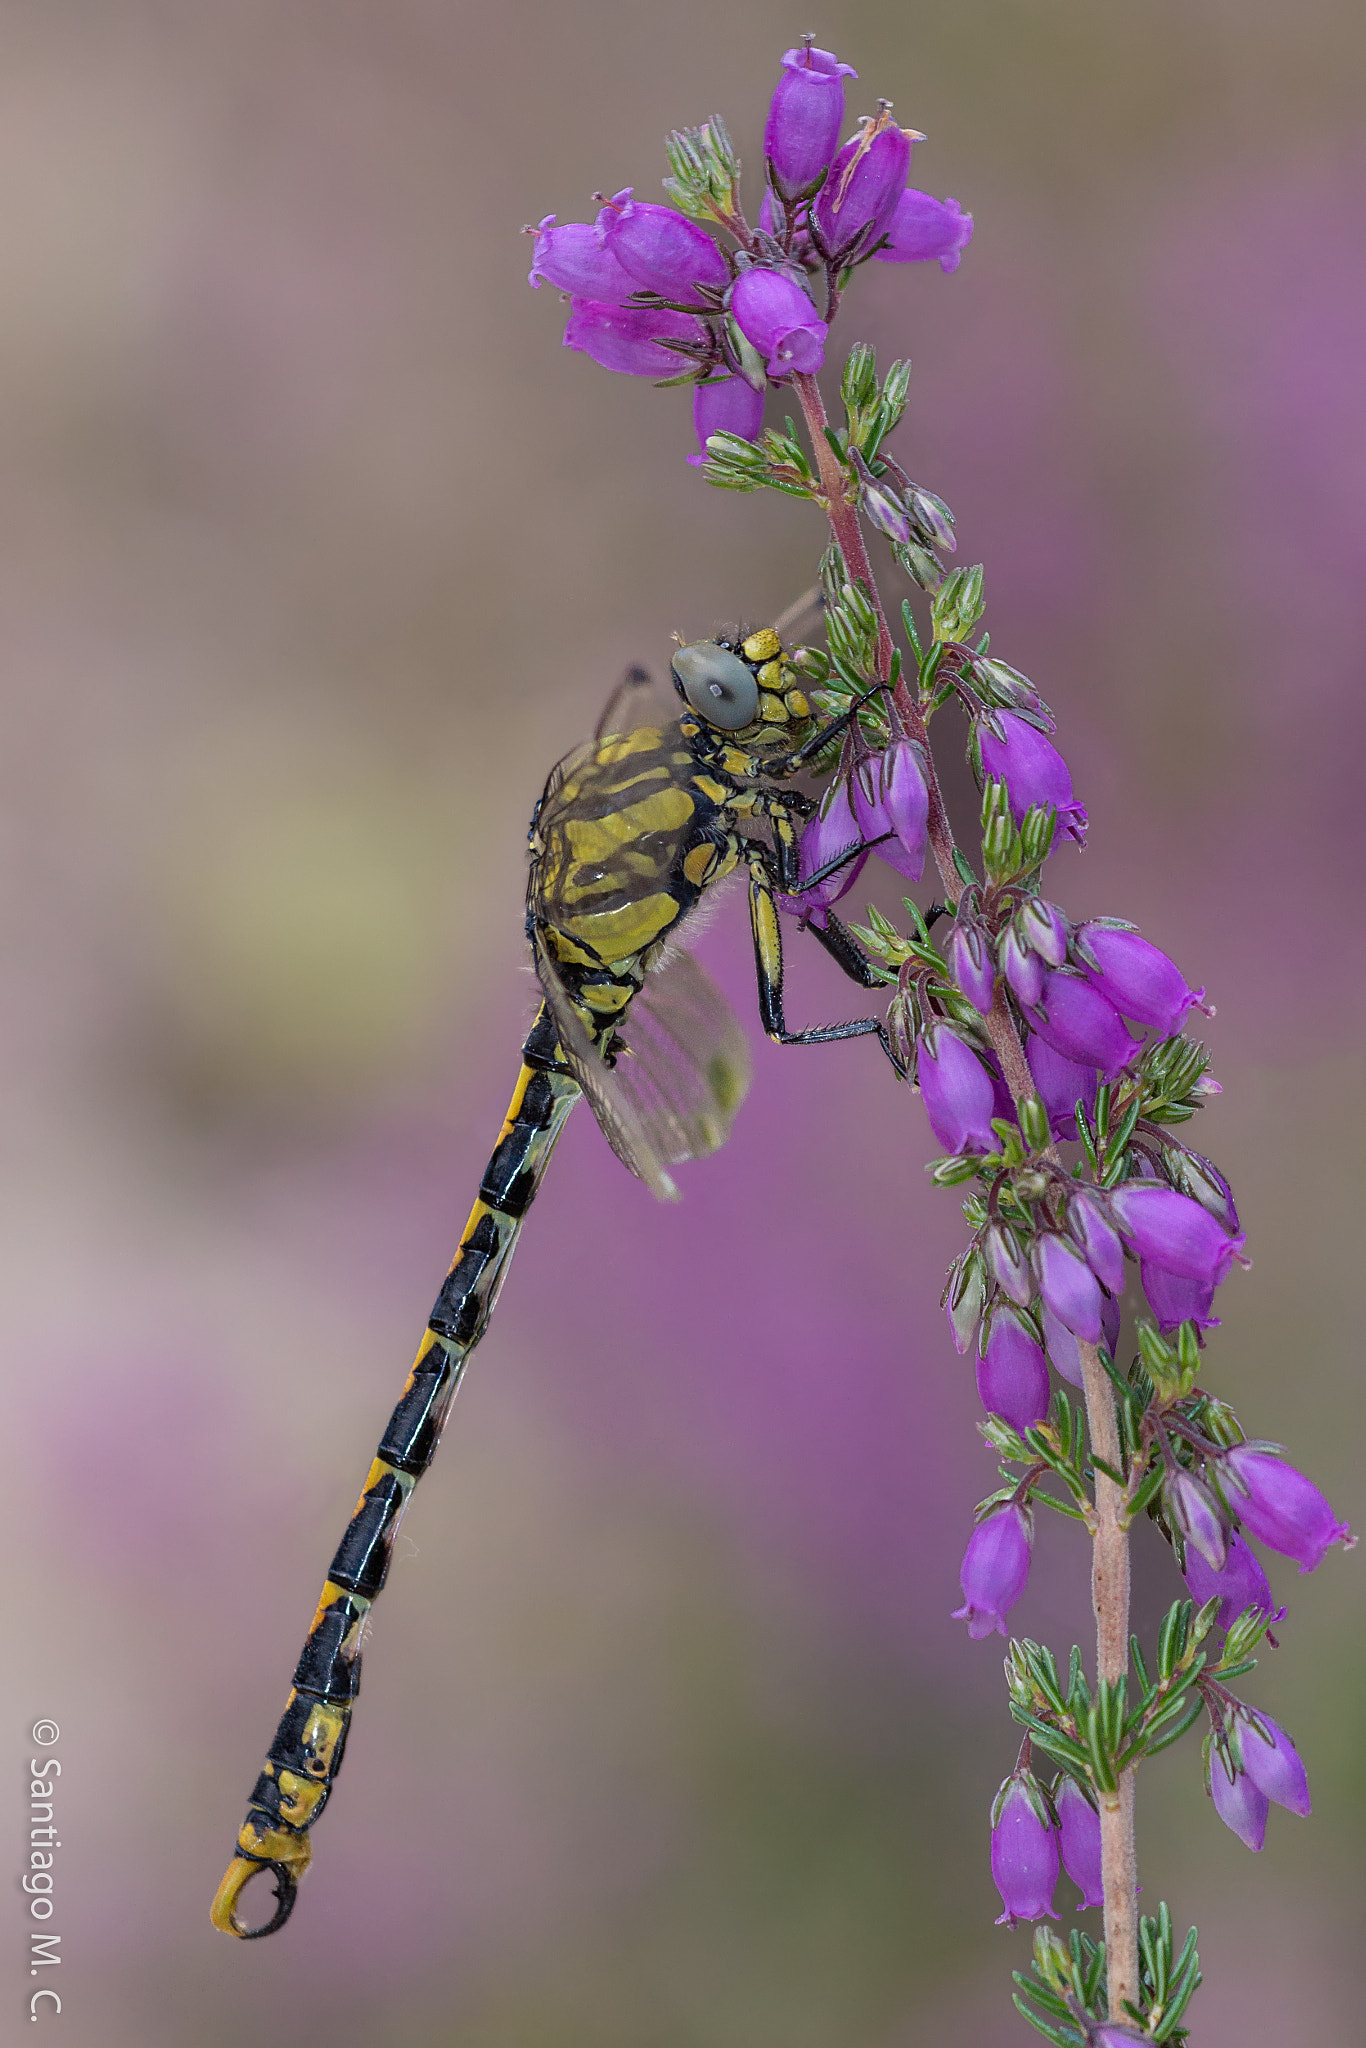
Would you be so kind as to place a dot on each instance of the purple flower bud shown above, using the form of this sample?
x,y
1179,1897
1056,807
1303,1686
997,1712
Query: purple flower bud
x,y
1117,2037
1034,772
1012,1377
775,313
859,198
1138,979
1280,1506
1175,1300
967,951
1008,686
1062,1084
1237,1801
890,795
1005,1101
995,1570
1068,1286
1100,1244
906,801
1194,1511
573,260
887,513
1043,928
661,249
923,228
1079,1022
1241,1584
960,1100
1079,1840
805,116
1272,1761
832,832
1209,1188
1109,1324
1008,1265
933,517
802,251
728,406
1171,1230
1024,1855
963,1300
1061,1345
631,338
1023,970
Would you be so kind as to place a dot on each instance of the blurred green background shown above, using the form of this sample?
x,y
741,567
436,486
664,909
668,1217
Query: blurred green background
x,y
318,550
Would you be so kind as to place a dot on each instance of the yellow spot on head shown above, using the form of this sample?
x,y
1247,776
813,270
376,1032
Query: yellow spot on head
x,y
762,646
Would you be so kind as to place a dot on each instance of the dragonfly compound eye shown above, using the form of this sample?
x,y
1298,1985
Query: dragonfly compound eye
x,y
717,685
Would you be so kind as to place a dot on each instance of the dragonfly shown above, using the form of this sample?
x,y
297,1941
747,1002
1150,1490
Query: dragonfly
x,y
632,832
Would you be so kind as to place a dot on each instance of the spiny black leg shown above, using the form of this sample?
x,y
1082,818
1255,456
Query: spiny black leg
x,y
844,950
768,967
842,860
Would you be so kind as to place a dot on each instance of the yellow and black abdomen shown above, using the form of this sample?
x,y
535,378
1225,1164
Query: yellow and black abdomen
x,y
310,1742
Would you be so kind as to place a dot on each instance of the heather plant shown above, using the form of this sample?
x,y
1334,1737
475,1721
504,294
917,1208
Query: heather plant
x,y
1053,1058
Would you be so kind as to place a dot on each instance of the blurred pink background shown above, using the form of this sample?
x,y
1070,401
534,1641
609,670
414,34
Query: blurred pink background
x,y
319,550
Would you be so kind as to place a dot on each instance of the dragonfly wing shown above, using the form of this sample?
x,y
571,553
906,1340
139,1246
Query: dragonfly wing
x,y
597,1080
687,1063
681,1073
573,760
638,699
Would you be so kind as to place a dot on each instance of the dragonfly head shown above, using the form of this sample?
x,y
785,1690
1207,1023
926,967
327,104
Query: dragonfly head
x,y
745,686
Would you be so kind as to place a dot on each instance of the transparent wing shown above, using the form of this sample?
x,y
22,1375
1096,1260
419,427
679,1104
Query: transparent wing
x,y
676,1085
638,699
572,761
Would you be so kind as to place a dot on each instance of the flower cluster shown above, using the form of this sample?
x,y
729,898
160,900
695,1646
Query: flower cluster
x,y
881,806
653,293
1093,1014
1035,1831
1029,1032
1051,1054
1253,1764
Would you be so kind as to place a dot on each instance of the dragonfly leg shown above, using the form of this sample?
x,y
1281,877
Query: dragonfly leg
x,y
780,809
844,950
768,967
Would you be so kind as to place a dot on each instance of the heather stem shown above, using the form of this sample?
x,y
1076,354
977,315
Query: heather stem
x,y
842,512
1110,1543
1110,1598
